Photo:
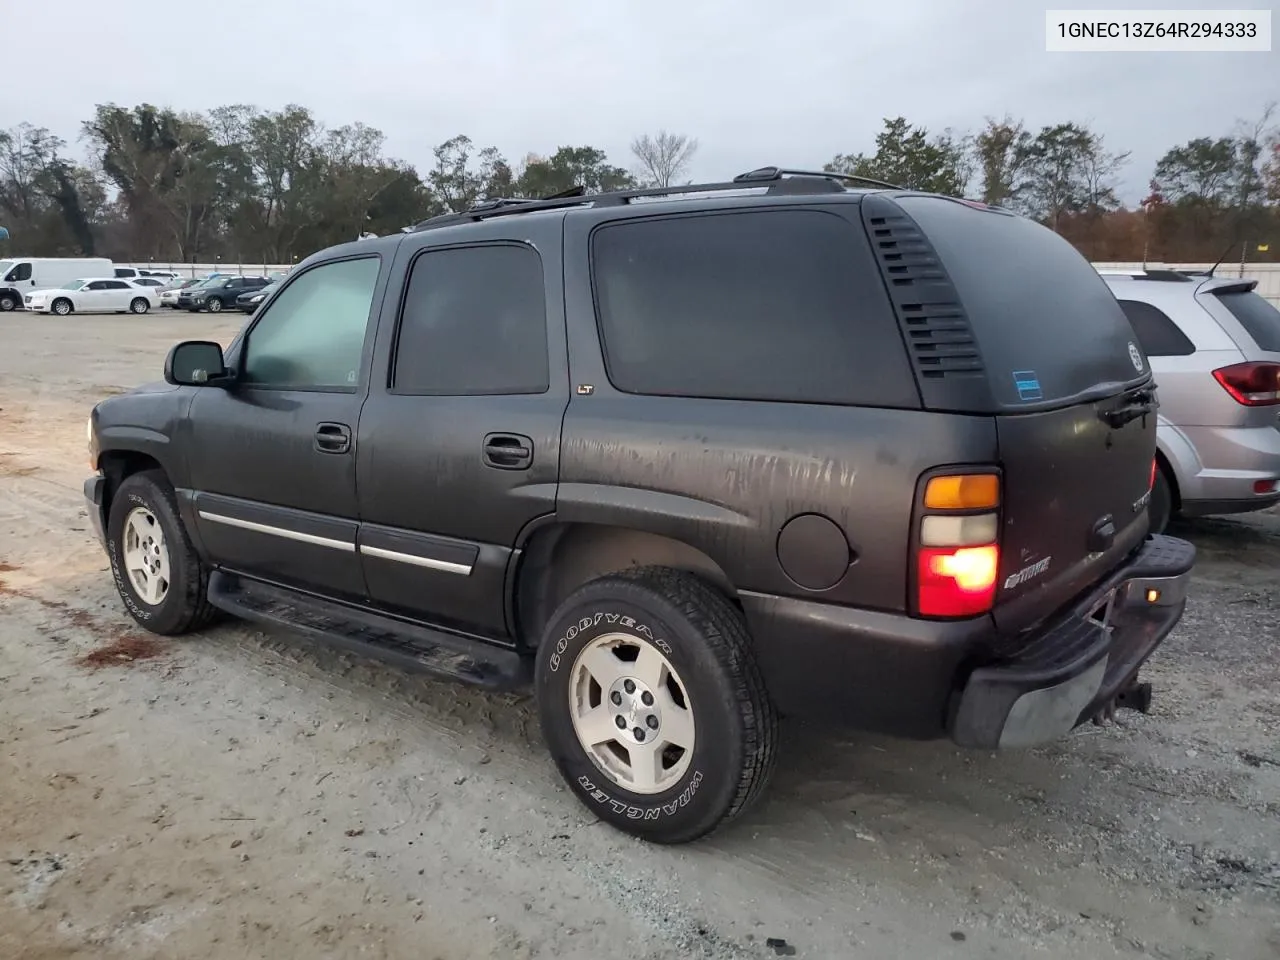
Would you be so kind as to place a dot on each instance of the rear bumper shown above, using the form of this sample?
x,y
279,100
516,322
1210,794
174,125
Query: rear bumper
x,y
1217,467
894,674
1082,661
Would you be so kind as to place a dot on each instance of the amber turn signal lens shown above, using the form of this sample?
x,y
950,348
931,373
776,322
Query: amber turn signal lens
x,y
973,491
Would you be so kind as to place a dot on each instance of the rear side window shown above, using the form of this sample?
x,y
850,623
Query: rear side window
x,y
1045,321
1157,334
474,323
1258,317
781,305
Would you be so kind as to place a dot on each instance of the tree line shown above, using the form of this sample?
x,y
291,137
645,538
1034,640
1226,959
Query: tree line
x,y
242,183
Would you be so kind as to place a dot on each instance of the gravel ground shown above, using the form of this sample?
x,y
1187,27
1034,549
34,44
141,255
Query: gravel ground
x,y
246,794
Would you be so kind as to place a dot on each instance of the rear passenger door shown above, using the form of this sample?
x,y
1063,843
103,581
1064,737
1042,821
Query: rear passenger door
x,y
460,437
118,295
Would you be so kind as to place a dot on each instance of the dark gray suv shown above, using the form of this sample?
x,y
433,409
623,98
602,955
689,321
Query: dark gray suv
x,y
681,460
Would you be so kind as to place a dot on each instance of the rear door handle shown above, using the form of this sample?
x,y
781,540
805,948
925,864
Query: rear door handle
x,y
333,438
508,451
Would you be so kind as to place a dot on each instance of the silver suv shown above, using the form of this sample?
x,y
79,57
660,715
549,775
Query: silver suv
x,y
1214,347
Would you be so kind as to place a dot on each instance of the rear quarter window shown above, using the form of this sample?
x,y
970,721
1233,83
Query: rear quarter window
x,y
1041,314
779,305
1260,319
1157,334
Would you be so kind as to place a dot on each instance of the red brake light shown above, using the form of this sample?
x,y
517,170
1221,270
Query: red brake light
x,y
1253,384
1151,482
957,581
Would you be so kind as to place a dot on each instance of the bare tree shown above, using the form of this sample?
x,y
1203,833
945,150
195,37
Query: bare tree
x,y
663,158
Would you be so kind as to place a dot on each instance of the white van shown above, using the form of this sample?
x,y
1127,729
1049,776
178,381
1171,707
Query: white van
x,y
20,275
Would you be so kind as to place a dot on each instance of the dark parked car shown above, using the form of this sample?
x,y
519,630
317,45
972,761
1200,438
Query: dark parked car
x,y
793,443
250,299
218,293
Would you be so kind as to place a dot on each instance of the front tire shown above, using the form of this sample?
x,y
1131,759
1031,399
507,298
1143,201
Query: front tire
x,y
215,305
8,302
62,307
139,305
159,576
653,706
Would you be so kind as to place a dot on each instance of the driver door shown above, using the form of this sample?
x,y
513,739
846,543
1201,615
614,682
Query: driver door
x,y
272,457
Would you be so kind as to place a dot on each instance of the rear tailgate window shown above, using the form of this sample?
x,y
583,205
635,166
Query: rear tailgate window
x,y
1259,318
1046,324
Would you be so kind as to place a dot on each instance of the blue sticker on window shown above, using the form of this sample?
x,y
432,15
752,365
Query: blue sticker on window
x,y
1028,385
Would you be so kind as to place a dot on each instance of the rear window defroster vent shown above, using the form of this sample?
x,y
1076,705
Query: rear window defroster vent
x,y
934,324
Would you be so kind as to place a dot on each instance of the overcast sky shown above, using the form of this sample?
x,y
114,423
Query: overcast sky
x,y
757,83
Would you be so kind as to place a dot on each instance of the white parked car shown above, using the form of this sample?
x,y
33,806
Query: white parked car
x,y
93,295
170,291
157,284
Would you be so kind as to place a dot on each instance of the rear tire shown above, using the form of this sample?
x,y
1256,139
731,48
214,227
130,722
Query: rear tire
x,y
139,305
159,576
668,657
1160,509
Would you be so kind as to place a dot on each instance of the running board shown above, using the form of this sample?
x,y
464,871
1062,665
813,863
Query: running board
x,y
410,646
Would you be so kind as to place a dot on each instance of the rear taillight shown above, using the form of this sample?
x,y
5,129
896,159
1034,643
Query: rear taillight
x,y
957,550
1151,480
1254,384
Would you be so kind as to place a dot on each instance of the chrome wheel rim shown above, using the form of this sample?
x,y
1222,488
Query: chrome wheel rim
x,y
146,556
631,713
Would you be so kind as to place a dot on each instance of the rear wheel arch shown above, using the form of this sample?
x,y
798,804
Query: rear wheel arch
x,y
558,558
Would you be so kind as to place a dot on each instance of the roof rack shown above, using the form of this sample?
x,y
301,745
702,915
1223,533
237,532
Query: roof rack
x,y
777,173
776,179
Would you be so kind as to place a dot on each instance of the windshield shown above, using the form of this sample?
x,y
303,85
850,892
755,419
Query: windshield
x,y
73,285
1259,318
266,291
5,267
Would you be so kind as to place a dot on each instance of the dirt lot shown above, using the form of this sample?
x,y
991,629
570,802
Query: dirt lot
x,y
244,794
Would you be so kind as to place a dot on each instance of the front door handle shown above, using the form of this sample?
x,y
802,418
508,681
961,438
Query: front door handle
x,y
333,438
508,451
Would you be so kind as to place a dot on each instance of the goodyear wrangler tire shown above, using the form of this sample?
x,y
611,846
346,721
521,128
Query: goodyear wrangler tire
x,y
160,578
653,706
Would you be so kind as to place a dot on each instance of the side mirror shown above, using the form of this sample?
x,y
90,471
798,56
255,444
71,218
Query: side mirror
x,y
195,363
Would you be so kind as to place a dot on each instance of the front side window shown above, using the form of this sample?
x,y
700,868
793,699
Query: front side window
x,y
99,285
19,273
312,336
474,323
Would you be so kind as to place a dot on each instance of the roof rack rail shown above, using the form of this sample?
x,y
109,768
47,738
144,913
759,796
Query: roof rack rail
x,y
777,173
773,178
